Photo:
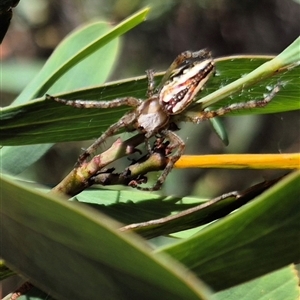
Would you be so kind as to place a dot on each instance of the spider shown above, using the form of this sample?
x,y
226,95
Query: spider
x,y
158,114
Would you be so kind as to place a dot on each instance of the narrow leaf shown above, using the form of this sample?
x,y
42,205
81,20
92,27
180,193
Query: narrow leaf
x,y
58,123
79,45
259,238
279,285
75,253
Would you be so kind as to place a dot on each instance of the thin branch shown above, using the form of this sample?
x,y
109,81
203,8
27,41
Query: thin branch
x,y
200,214
79,178
241,161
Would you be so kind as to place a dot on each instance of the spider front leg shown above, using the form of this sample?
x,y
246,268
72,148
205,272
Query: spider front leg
x,y
127,101
125,121
205,115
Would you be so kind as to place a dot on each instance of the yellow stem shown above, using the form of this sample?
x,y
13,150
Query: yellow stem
x,y
241,161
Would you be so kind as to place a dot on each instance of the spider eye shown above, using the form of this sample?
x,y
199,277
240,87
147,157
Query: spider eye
x,y
184,84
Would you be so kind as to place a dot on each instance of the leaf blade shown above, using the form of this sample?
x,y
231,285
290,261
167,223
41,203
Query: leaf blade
x,y
247,243
71,124
54,67
99,259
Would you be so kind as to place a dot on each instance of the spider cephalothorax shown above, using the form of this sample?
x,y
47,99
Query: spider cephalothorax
x,y
176,94
156,115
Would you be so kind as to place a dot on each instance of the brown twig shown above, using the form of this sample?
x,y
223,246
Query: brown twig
x,y
200,214
134,174
79,178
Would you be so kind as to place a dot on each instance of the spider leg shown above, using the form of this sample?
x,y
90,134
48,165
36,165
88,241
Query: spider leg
x,y
123,122
151,83
205,115
175,143
127,101
148,145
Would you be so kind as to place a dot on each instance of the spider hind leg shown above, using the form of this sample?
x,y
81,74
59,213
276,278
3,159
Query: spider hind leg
x,y
208,114
174,143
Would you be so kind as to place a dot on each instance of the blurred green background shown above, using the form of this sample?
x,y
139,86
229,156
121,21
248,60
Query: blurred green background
x,y
227,27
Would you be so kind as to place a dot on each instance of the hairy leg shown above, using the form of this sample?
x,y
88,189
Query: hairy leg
x,y
177,144
151,83
205,115
127,101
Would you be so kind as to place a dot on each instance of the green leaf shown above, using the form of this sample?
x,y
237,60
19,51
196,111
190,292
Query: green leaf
x,y
72,252
66,69
282,284
261,237
134,206
78,46
59,123
18,74
291,54
195,214
286,60
5,272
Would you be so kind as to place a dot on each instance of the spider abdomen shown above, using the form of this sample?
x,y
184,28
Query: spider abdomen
x,y
180,91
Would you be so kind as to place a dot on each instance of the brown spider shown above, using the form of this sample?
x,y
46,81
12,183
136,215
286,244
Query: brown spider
x,y
157,114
